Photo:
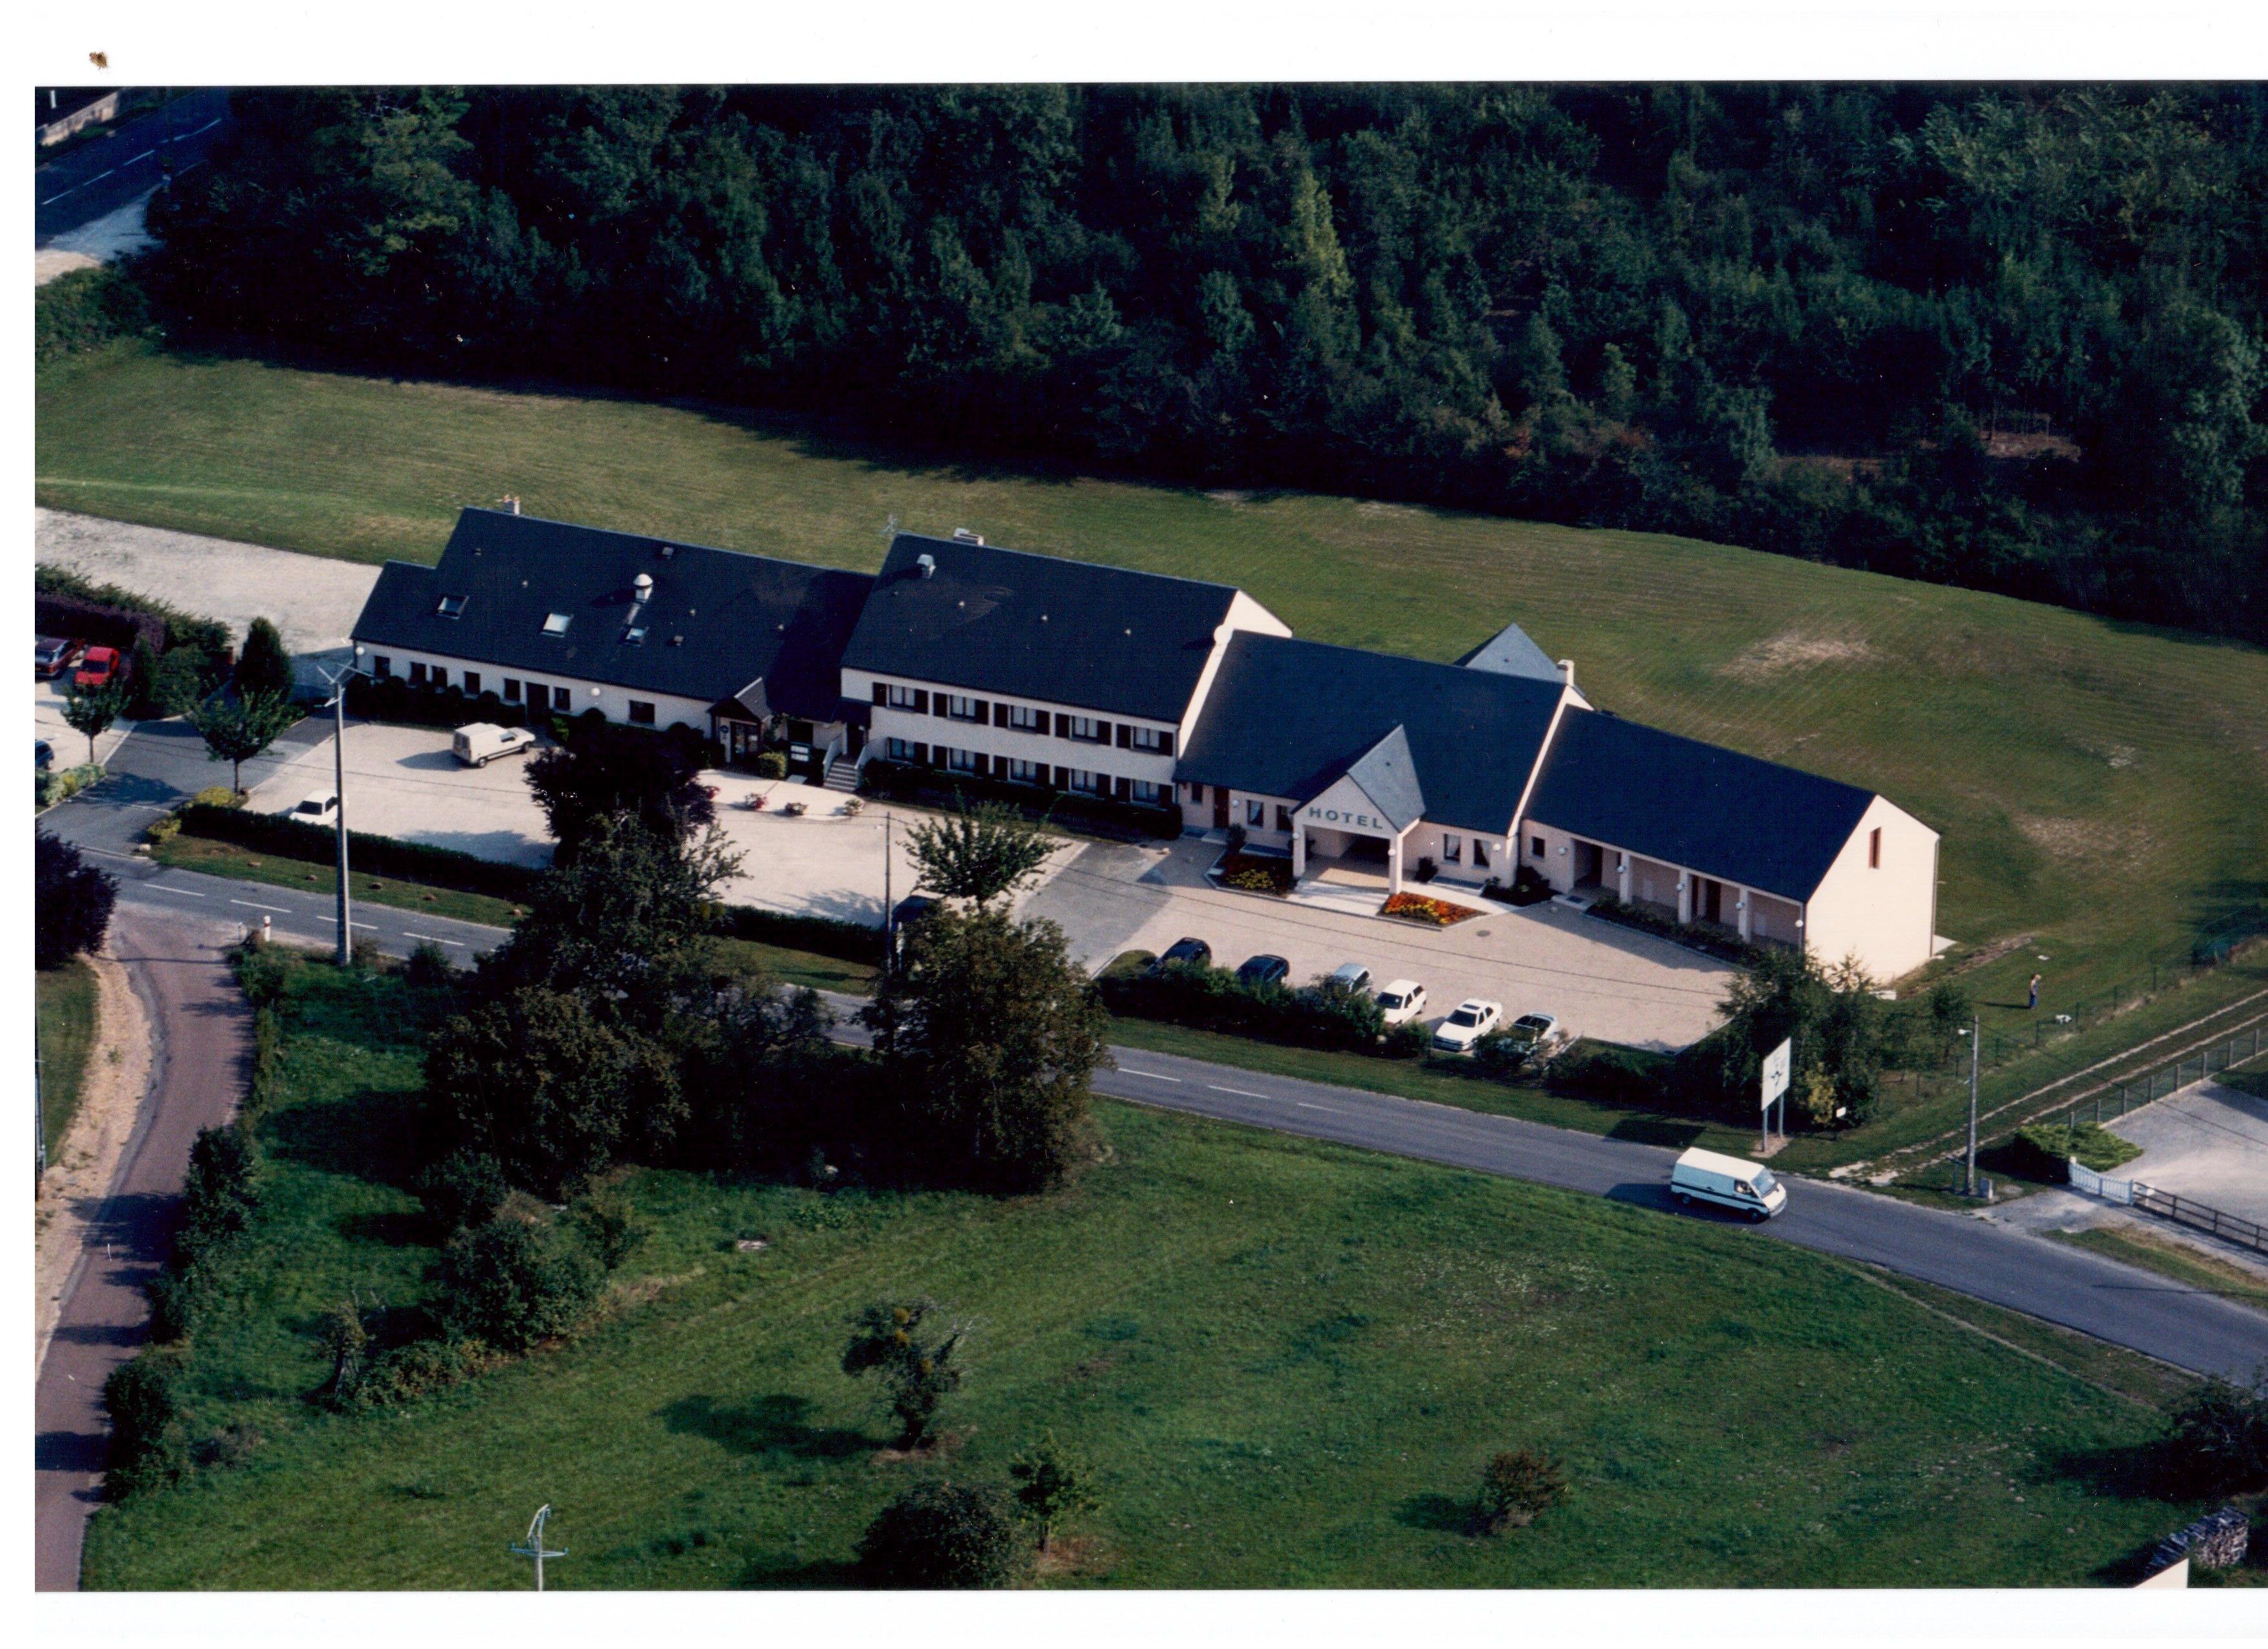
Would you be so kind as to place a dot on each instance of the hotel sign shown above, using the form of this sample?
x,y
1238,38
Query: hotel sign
x,y
1320,814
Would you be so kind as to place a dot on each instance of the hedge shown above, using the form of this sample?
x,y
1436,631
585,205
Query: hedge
x,y
181,628
901,781
1214,1000
1694,938
395,700
827,936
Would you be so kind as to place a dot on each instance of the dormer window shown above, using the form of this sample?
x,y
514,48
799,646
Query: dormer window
x,y
635,635
557,625
453,606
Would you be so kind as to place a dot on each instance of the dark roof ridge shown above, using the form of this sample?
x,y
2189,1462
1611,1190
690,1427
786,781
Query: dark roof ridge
x,y
651,537
1076,561
1401,657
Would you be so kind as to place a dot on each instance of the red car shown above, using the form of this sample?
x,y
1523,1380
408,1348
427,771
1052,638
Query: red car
x,y
98,669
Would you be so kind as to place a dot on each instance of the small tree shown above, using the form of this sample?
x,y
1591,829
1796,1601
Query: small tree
x,y
1052,1484
142,702
71,902
979,853
221,1191
510,1284
2217,1436
236,732
90,710
346,1342
605,771
465,1188
1518,1487
946,1534
913,1360
263,666
147,1444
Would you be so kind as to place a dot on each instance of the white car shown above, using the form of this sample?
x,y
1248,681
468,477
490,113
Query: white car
x,y
481,742
1538,1035
322,808
1472,1021
1401,1000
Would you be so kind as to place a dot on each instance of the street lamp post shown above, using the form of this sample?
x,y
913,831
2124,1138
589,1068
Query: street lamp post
x,y
339,793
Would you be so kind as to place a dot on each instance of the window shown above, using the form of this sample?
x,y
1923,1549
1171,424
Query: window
x,y
961,760
1283,818
903,697
557,625
642,712
1023,719
1197,792
1480,854
382,668
1086,729
563,699
1255,814
897,750
1535,846
1874,849
961,706
472,682
512,690
1025,772
1452,849
453,606
1085,783
635,635
416,675
1144,791
1155,740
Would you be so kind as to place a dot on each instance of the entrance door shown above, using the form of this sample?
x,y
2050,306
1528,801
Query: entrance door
x,y
1220,807
1587,863
1712,906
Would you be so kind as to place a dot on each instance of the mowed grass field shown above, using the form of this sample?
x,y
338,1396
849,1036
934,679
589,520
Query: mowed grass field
x,y
2101,788
1286,1361
65,999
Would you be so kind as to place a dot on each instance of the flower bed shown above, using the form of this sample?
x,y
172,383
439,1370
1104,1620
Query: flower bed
x,y
1433,913
1255,873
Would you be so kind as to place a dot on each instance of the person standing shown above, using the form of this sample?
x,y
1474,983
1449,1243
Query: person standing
x,y
2033,1004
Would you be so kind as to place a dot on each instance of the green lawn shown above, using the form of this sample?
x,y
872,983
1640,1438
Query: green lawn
x,y
2102,787
66,997
1287,1360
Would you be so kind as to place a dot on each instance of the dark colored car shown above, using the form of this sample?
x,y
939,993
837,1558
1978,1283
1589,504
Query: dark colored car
x,y
52,655
43,754
98,669
1264,970
912,909
1184,951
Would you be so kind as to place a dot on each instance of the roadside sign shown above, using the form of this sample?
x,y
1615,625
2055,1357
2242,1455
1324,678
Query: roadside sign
x,y
1776,1064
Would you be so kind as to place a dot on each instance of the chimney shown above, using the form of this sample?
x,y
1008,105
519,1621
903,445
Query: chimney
x,y
925,566
962,535
642,586
512,503
1567,671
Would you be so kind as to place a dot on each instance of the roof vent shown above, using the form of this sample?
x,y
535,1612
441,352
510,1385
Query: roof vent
x,y
642,586
1567,671
512,503
926,565
962,535
453,606
677,641
667,550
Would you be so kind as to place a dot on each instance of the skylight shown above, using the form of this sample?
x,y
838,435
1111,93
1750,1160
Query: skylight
x,y
635,633
557,625
453,606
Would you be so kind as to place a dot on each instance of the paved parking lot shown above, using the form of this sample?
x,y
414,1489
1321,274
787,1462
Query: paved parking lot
x,y
2209,1141
1601,980
48,723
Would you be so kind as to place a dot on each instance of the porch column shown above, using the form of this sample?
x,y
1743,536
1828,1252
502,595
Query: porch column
x,y
1748,915
1393,865
1299,849
1684,897
1622,877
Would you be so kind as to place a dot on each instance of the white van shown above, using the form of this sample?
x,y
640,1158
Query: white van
x,y
479,743
1747,1188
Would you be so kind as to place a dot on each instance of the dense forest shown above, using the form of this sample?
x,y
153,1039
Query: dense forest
x,y
2009,337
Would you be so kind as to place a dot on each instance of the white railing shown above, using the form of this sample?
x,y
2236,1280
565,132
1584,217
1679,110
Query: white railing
x,y
2180,1210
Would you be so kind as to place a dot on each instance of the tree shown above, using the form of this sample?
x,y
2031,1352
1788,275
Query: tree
x,y
143,703
1052,1484
605,770
1518,1487
263,666
937,1535
236,730
71,902
147,1442
465,1188
913,1356
990,1034
2217,1436
90,710
979,853
221,1189
510,1284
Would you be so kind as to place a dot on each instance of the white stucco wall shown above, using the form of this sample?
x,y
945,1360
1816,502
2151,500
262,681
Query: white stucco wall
x,y
1884,915
611,701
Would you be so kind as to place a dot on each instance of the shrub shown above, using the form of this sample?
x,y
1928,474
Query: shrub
x,y
609,1225
71,902
943,1535
428,968
772,764
86,309
1052,1484
464,1189
220,1193
511,1284
1519,1487
915,1366
264,667
1214,1000
60,785
1611,1076
409,1372
2217,1436
148,1447
1255,872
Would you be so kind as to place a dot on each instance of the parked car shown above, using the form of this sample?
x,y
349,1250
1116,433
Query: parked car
x,y
43,754
98,669
322,808
1401,1000
52,655
1351,977
910,910
1474,1018
1183,950
1264,970
481,742
1747,1188
1533,1034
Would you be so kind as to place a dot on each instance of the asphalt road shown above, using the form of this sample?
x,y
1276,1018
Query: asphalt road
x,y
98,178
200,1029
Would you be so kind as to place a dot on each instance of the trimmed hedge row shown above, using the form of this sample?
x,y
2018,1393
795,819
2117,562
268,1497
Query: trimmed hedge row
x,y
285,837
1214,1000
901,781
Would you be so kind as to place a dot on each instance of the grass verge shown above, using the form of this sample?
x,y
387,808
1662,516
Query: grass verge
x,y
67,1028
1287,1360
2168,1258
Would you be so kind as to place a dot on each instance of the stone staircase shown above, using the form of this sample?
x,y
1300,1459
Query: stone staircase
x,y
842,775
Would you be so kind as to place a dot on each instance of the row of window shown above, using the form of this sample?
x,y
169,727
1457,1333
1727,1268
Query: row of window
x,y
979,764
538,695
920,701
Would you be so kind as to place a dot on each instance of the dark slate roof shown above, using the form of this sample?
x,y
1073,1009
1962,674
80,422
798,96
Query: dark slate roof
x,y
1285,717
744,618
1512,651
1023,626
1387,774
1694,806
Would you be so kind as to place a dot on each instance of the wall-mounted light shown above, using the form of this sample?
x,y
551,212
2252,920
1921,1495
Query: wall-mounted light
x,y
1562,853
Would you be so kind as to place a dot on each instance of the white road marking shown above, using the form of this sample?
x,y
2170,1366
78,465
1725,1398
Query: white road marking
x,y
1308,1106
163,888
1246,1093
207,127
1151,1075
284,910
429,939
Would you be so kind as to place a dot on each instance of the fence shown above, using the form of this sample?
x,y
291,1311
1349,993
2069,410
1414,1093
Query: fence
x,y
2181,1210
2115,1099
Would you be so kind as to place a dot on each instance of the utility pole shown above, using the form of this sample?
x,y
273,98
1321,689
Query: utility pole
x,y
339,790
1969,1187
889,911
535,1548
38,1122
